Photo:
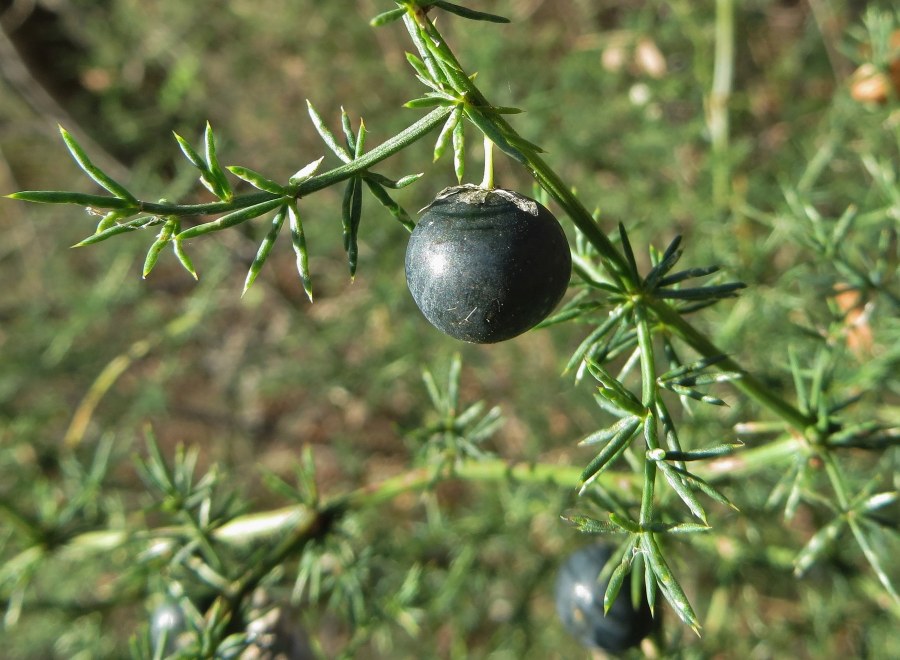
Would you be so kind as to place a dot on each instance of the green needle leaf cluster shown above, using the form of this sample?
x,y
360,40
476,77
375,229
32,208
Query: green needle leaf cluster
x,y
645,358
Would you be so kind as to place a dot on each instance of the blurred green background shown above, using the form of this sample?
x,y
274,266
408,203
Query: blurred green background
x,y
618,95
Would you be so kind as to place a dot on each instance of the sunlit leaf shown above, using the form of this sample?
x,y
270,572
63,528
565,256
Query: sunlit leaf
x,y
820,542
588,525
184,258
874,560
686,494
666,580
306,172
388,17
98,175
220,184
165,235
326,134
257,180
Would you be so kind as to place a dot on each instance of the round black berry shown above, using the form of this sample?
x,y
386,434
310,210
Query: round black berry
x,y
579,604
485,265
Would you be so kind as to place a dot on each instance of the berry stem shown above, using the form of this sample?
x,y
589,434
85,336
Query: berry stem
x,y
488,181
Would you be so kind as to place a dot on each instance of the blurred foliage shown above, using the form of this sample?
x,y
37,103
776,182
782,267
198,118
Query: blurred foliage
x,y
617,93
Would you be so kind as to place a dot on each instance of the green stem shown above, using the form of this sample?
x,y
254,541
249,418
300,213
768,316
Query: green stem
x,y
648,398
613,261
748,384
399,142
301,519
545,176
405,138
723,73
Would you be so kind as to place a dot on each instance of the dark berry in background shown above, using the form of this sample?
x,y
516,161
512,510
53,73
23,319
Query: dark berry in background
x,y
579,604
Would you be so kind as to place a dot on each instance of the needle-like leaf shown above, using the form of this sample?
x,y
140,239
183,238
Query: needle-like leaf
x,y
471,14
447,133
666,580
388,17
265,248
459,151
231,219
132,225
98,175
326,134
610,452
257,180
305,172
219,183
298,241
165,235
393,207
65,197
